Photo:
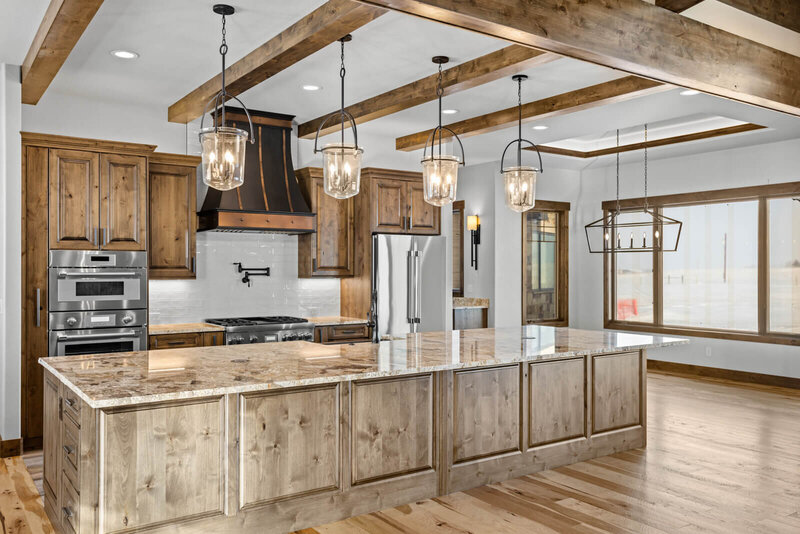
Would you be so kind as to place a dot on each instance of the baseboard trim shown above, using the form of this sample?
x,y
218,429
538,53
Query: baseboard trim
x,y
727,374
10,447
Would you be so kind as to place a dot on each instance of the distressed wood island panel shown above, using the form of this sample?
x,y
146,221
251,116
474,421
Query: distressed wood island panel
x,y
284,458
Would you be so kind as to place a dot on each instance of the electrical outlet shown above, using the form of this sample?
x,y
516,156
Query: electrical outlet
x,y
708,351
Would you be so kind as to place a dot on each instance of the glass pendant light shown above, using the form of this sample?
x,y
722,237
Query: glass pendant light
x,y
223,147
626,230
520,180
341,162
440,171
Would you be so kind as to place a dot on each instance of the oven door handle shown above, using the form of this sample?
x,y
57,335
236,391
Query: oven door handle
x,y
64,274
67,337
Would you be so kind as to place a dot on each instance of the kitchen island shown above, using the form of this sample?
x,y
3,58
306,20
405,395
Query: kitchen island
x,y
279,437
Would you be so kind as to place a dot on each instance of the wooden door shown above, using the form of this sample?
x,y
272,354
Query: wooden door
x,y
34,288
51,441
334,236
388,206
172,221
74,199
423,218
123,202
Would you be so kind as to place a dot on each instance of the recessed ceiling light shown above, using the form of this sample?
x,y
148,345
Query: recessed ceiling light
x,y
540,127
449,111
689,92
124,54
311,87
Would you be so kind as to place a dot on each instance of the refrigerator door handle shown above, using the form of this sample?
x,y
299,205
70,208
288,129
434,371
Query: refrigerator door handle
x,y
417,288
411,292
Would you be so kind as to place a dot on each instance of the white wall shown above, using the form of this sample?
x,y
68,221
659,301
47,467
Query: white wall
x,y
499,274
757,165
10,251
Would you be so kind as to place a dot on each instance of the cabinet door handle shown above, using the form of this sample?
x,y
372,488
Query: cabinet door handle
x,y
193,266
69,402
67,512
38,307
67,449
94,241
105,237
410,223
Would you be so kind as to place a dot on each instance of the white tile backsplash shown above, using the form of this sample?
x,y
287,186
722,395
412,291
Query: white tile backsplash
x,y
218,290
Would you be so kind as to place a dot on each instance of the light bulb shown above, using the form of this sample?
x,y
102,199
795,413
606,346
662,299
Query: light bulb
x,y
347,168
228,156
606,236
524,186
212,157
644,239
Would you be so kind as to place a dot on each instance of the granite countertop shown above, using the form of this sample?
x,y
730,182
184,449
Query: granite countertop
x,y
335,320
470,302
106,380
182,328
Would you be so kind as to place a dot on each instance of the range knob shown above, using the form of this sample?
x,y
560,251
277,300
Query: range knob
x,y
290,337
127,319
71,321
254,339
236,341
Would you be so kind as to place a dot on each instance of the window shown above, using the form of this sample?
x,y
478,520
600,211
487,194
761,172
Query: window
x,y
544,263
736,273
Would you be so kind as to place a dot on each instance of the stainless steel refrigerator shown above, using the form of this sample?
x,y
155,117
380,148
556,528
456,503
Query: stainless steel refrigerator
x,y
408,284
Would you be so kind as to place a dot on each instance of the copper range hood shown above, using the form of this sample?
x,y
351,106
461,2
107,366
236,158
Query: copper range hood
x,y
270,200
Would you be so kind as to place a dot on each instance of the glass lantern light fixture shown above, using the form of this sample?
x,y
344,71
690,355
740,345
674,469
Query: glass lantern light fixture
x,y
626,230
341,162
223,147
520,180
440,171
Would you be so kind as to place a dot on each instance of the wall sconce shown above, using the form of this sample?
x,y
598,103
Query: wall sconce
x,y
474,227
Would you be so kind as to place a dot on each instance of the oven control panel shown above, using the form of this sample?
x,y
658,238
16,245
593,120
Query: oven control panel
x,y
75,320
241,338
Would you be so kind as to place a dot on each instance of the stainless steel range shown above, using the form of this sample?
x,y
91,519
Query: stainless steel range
x,y
239,330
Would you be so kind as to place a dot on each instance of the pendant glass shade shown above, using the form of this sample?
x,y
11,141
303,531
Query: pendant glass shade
x,y
223,157
439,179
520,185
341,169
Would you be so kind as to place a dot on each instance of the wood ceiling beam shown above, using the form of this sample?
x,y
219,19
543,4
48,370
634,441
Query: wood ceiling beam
x,y
499,64
707,134
586,98
784,13
632,36
62,26
318,29
677,6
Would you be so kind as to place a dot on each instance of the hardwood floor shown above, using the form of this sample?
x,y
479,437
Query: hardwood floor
x,y
721,457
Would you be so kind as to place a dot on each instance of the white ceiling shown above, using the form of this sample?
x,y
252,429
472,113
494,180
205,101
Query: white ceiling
x,y
178,40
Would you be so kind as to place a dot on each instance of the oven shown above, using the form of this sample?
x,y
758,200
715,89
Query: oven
x,y
97,280
97,332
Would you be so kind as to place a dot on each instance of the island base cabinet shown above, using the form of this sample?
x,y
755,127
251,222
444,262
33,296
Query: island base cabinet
x,y
286,459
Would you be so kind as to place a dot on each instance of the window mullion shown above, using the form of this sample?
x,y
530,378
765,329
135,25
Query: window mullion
x,y
763,267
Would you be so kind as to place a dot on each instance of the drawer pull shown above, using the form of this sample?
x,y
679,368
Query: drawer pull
x,y
67,449
176,343
69,402
350,332
67,512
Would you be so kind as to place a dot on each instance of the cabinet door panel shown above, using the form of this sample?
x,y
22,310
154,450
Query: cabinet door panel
x,y
52,438
334,236
616,391
162,462
486,412
123,202
74,199
392,427
388,205
290,444
557,401
171,252
423,217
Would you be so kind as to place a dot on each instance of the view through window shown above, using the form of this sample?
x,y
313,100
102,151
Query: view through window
x,y
544,264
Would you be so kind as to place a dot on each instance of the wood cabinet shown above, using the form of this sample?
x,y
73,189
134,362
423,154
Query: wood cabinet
x,y
77,194
329,250
97,200
617,391
345,333
185,340
173,218
390,201
557,401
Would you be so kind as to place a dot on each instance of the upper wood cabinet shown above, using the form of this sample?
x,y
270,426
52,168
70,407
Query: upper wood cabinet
x,y
97,200
398,204
123,202
74,199
328,251
173,218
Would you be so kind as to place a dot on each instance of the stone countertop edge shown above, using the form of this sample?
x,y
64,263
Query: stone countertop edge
x,y
277,384
182,328
335,320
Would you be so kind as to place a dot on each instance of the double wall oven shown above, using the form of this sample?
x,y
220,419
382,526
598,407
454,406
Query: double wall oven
x,y
98,301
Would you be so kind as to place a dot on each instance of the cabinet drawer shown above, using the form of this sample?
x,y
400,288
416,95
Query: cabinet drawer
x,y
344,333
70,507
72,406
176,341
70,449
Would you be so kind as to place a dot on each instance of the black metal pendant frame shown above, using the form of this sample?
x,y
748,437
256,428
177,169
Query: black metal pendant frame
x,y
609,225
519,78
343,115
440,60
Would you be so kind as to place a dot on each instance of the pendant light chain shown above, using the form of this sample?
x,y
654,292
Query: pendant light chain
x,y
439,94
618,171
519,122
645,166
342,72
223,51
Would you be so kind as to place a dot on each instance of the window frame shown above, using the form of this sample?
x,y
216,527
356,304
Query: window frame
x,y
562,261
460,205
761,194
